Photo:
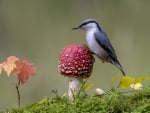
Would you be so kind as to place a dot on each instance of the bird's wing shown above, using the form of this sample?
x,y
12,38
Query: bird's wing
x,y
104,42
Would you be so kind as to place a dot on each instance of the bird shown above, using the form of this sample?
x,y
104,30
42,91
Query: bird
x,y
99,43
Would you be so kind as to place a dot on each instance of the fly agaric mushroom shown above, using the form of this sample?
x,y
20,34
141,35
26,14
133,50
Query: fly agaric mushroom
x,y
76,63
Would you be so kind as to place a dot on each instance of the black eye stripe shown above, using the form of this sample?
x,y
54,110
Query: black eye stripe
x,y
92,21
85,23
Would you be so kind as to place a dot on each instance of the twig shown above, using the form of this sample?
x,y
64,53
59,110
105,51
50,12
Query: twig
x,y
18,92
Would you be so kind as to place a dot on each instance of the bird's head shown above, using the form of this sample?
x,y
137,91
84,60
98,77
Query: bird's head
x,y
87,24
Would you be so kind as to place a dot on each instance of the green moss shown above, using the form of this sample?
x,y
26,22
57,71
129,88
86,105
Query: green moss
x,y
114,102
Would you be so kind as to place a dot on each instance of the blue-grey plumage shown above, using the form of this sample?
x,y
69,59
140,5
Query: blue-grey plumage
x,y
98,42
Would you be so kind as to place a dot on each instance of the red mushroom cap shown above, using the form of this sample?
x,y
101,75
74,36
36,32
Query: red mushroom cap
x,y
76,61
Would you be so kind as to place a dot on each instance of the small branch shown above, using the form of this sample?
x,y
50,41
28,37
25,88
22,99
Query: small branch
x,y
18,92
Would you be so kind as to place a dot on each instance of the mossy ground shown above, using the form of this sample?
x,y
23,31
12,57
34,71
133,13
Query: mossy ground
x,y
114,102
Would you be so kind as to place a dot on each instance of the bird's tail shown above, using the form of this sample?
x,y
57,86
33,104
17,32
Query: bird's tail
x,y
118,65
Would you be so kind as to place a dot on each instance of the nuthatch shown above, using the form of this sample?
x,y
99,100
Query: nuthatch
x,y
98,42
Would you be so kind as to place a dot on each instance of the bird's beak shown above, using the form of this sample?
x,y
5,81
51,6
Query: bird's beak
x,y
78,27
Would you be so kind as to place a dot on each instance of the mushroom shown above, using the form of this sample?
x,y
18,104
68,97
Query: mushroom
x,y
76,63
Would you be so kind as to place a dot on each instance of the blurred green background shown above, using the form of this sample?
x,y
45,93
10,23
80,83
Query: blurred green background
x,y
37,30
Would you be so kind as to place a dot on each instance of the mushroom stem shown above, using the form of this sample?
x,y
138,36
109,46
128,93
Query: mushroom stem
x,y
74,85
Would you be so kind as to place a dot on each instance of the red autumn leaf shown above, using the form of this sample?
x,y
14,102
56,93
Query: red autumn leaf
x,y
24,70
9,64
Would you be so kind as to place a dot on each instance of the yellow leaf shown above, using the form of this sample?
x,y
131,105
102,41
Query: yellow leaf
x,y
9,64
88,86
126,81
116,77
141,79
